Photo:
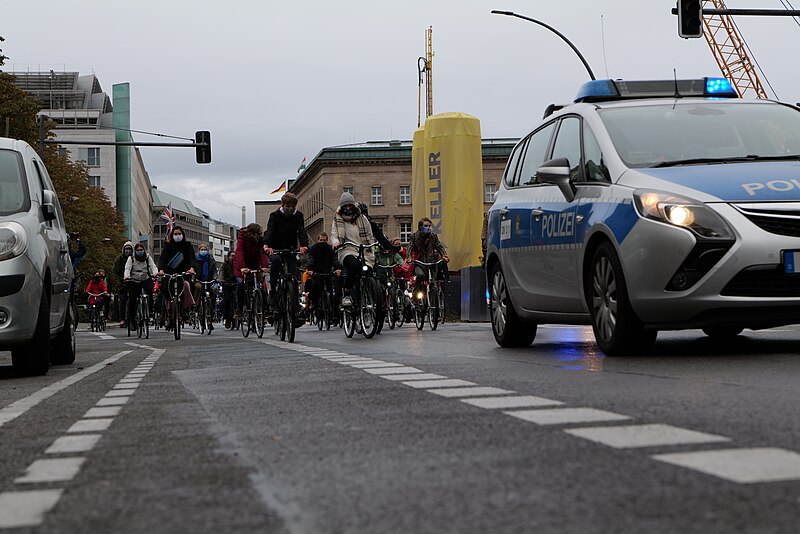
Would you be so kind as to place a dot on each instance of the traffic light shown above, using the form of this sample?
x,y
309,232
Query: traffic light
x,y
202,141
690,18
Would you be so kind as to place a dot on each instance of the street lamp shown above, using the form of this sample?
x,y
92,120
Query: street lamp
x,y
512,14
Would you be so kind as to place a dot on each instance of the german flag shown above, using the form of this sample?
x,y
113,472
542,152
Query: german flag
x,y
281,188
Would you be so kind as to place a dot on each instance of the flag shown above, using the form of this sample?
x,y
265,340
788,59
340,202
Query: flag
x,y
302,165
281,188
168,217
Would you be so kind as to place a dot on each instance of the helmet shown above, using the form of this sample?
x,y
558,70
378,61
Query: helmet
x,y
363,208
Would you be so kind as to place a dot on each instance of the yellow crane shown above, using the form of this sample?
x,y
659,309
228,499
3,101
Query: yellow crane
x,y
730,52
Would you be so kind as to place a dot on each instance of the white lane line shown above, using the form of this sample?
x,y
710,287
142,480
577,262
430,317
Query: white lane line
x,y
111,411
418,376
521,401
116,401
119,393
91,425
73,444
129,380
15,409
26,508
469,392
448,383
56,470
374,365
392,371
125,386
744,466
562,416
653,435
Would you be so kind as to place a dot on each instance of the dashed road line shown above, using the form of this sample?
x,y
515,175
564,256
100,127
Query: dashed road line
x,y
517,401
448,383
418,376
51,470
744,466
469,392
392,371
26,508
633,436
564,416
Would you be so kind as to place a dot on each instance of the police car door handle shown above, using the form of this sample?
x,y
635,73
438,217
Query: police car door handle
x,y
579,219
537,213
503,212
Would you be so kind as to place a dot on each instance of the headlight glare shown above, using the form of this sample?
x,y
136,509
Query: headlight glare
x,y
682,212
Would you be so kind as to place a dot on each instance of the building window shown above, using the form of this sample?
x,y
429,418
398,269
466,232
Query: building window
x,y
347,189
377,196
92,157
405,195
405,232
488,192
94,181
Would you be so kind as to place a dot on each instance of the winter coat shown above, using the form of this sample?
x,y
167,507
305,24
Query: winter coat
x,y
140,269
249,254
285,232
182,263
119,263
322,258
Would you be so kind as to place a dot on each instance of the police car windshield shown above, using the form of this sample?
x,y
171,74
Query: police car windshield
x,y
691,132
13,188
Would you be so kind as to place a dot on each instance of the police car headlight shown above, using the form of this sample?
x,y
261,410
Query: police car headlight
x,y
12,240
682,212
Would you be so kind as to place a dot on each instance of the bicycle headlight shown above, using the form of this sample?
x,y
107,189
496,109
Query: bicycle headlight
x,y
365,268
12,240
682,212
420,295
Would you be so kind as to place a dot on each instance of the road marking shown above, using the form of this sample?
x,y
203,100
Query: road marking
x,y
374,365
418,376
448,383
125,386
55,470
129,381
91,425
745,466
15,409
632,436
119,393
392,371
111,411
73,444
562,416
469,392
522,401
26,508
117,401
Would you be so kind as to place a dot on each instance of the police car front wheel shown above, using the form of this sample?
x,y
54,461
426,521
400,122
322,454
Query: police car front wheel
x,y
508,329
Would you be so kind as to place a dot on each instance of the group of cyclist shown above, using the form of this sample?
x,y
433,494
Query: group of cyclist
x,y
261,251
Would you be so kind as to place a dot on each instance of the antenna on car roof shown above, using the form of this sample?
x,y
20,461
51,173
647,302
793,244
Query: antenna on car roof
x,y
675,77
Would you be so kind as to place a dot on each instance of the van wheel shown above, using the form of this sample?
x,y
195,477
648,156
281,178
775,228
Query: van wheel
x,y
63,350
508,329
34,358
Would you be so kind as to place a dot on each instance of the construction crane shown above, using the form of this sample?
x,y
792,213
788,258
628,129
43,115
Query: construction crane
x,y
425,66
730,52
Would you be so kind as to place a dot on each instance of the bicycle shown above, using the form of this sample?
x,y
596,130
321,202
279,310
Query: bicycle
x,y
142,313
389,300
286,290
205,310
252,315
97,312
174,296
364,313
323,311
430,301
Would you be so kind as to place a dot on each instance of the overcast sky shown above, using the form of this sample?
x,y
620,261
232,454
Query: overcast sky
x,y
276,81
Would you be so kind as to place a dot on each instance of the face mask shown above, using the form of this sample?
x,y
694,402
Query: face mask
x,y
177,238
96,278
139,253
126,253
426,229
348,212
203,253
288,212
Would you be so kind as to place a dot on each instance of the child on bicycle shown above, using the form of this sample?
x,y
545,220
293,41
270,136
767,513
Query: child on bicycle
x,y
140,268
350,225
285,229
97,290
249,256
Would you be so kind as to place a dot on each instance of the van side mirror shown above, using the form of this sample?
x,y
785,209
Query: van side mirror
x,y
48,205
556,172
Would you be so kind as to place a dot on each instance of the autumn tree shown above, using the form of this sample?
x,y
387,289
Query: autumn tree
x,y
87,210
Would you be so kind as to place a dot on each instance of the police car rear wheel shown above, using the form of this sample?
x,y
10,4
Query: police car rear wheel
x,y
617,329
508,329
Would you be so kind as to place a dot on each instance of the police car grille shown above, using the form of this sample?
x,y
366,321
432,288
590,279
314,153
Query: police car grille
x,y
777,225
763,281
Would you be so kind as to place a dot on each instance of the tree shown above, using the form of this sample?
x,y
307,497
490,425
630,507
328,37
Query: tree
x,y
87,210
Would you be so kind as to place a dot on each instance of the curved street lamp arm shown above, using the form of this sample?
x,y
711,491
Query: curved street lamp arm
x,y
574,49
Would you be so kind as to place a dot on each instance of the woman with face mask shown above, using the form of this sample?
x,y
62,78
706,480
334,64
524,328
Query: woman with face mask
x,y
426,247
349,224
178,257
206,272
140,269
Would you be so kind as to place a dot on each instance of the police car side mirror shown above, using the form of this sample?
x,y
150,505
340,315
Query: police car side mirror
x,y
556,171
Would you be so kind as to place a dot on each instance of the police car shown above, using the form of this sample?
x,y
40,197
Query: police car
x,y
647,206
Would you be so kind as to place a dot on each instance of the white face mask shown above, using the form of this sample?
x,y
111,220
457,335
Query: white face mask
x,y
177,238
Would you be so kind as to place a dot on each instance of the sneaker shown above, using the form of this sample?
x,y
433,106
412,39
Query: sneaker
x,y
347,302
272,299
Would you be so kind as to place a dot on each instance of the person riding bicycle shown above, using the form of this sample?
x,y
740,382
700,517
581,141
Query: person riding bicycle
x,y
178,257
350,225
322,259
139,268
119,272
97,289
285,229
228,280
206,272
426,247
249,256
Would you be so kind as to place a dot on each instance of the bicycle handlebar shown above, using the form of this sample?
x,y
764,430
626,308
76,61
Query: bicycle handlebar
x,y
97,294
424,264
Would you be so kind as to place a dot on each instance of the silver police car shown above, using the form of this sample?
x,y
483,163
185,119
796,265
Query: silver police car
x,y
647,206
35,270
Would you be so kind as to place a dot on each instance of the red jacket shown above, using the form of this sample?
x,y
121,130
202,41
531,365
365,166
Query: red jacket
x,y
249,254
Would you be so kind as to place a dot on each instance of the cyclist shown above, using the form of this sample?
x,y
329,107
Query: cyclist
x,y
119,272
285,229
350,225
140,268
228,279
322,259
382,240
249,256
97,289
178,257
206,271
426,247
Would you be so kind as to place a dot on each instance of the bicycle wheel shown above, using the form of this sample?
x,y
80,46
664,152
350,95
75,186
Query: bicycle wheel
x,y
245,319
327,311
209,314
419,310
291,310
139,319
176,317
433,306
146,319
370,308
442,303
349,323
399,303
258,312
201,314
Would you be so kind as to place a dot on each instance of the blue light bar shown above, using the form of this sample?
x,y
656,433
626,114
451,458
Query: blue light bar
x,y
597,90
604,90
720,87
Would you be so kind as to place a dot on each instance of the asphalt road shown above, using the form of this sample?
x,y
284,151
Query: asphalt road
x,y
408,432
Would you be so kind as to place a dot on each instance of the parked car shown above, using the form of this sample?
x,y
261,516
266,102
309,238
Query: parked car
x,y
647,206
35,269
